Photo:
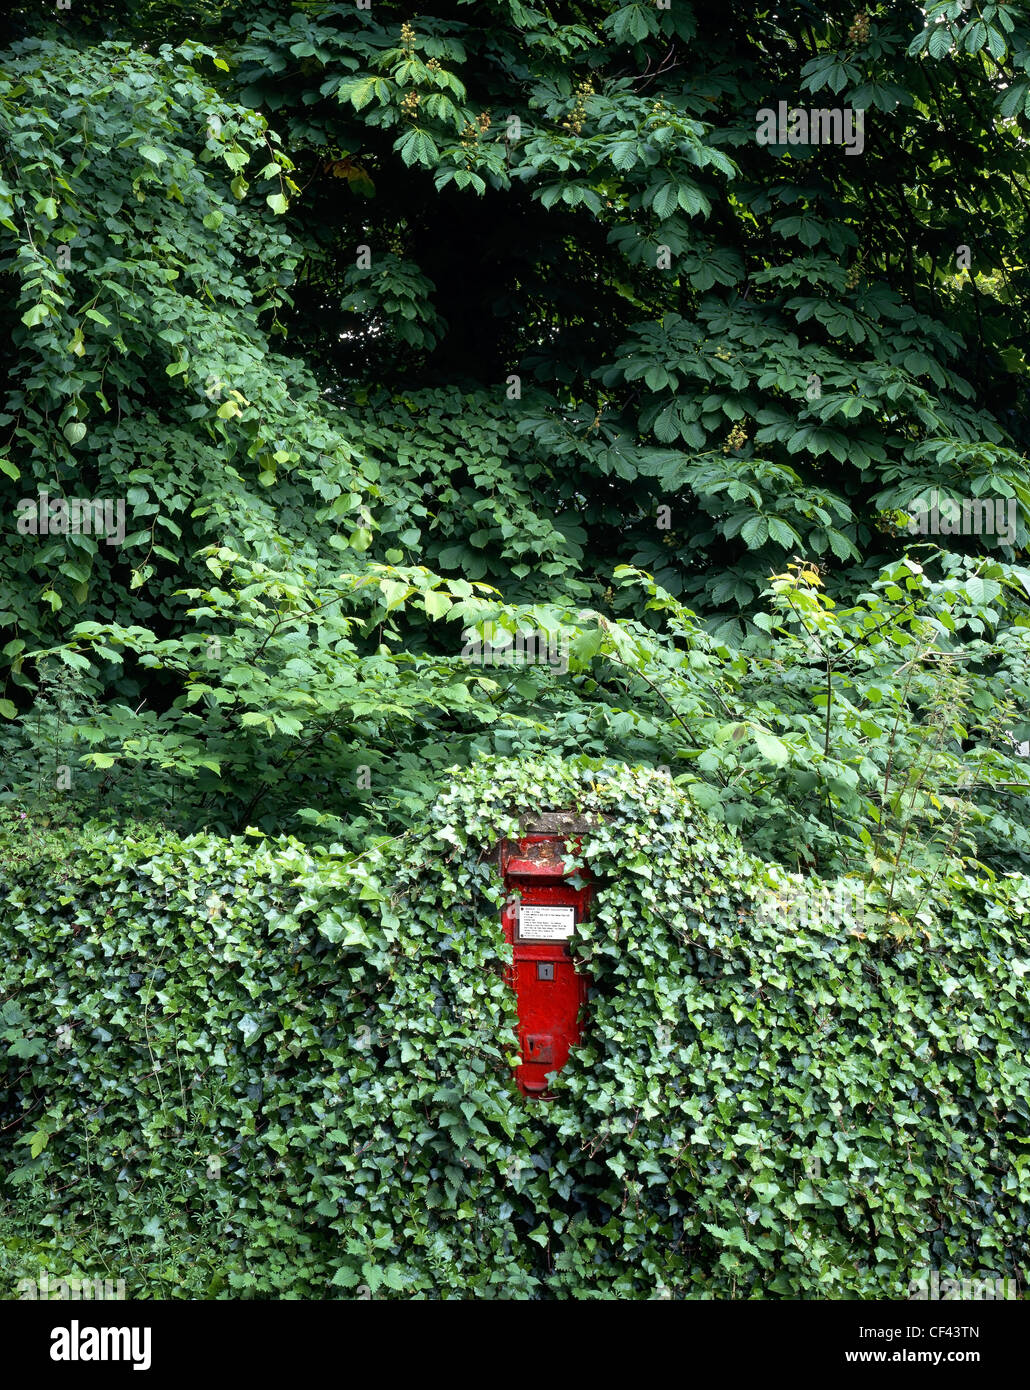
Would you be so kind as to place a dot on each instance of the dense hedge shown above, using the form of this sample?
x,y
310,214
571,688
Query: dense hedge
x,y
246,1067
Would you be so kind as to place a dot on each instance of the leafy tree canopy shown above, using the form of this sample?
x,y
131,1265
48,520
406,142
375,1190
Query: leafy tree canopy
x,y
386,326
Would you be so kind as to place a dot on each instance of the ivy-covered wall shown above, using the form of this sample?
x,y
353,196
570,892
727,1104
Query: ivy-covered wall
x,y
234,1067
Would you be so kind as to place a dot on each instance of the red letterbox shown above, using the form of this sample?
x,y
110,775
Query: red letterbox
x,y
540,918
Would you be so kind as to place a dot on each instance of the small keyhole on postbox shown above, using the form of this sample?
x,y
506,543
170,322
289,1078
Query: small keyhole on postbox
x,y
540,918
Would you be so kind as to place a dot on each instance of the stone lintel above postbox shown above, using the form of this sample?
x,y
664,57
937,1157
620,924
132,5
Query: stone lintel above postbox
x,y
565,823
538,852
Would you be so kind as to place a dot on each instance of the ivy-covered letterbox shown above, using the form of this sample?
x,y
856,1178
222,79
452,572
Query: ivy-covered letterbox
x,y
545,903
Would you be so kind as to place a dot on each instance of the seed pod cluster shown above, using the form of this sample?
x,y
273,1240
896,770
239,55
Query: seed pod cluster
x,y
736,439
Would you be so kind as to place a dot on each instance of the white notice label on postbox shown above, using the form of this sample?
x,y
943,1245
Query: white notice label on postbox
x,y
546,923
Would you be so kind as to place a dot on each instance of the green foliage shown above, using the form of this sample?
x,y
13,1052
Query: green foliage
x,y
143,270
732,330
242,1068
875,737
503,392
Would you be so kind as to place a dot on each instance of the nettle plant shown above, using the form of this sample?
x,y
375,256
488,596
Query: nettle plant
x,y
241,1067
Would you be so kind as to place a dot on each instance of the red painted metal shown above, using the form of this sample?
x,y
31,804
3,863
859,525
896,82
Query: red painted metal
x,y
550,994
